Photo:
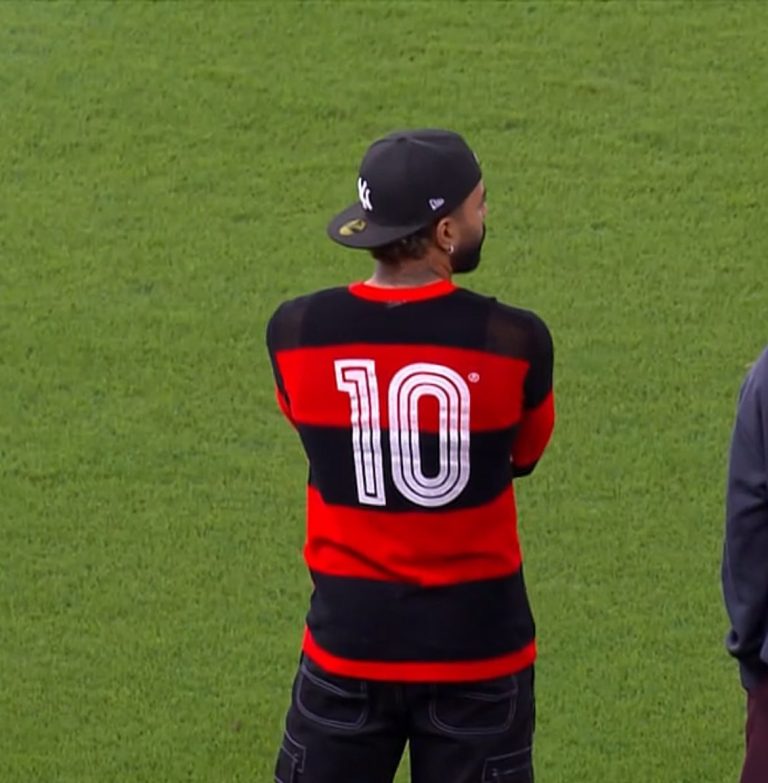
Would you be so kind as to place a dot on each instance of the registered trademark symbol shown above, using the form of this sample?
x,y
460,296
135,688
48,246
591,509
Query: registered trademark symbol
x,y
474,377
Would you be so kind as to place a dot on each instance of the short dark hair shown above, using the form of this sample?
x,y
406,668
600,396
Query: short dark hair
x,y
414,246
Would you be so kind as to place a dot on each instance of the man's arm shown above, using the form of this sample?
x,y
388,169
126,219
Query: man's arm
x,y
273,341
538,421
745,555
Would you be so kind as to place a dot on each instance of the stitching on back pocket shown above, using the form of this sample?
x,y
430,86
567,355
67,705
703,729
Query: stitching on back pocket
x,y
453,710
354,703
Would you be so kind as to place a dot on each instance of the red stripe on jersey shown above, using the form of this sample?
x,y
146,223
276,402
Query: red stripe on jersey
x,y
420,548
407,671
402,294
495,383
534,432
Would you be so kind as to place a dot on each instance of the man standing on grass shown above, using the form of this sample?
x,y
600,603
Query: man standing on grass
x,y
745,561
417,403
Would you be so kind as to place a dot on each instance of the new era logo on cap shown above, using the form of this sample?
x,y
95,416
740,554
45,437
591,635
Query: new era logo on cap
x,y
436,203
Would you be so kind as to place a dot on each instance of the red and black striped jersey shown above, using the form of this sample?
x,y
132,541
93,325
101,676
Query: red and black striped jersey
x,y
416,408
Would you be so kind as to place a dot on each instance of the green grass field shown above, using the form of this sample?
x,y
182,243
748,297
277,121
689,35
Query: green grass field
x,y
167,171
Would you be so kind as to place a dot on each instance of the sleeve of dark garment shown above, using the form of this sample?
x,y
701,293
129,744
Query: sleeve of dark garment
x,y
745,555
273,339
538,420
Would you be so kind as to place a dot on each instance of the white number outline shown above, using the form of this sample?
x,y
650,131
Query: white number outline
x,y
357,378
407,388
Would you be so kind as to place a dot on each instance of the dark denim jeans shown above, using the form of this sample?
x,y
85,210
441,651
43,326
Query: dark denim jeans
x,y
756,759
343,730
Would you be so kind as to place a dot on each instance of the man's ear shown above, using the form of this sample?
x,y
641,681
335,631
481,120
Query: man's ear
x,y
446,236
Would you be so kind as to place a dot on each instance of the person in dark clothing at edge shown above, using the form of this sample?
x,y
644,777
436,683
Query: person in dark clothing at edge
x,y
745,562
417,403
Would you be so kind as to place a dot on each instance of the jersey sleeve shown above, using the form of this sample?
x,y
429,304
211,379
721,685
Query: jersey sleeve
x,y
276,340
538,417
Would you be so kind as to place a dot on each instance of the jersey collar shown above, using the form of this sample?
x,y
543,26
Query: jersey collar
x,y
418,293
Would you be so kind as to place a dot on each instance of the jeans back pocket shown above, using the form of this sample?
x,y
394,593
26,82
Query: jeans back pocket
x,y
337,702
477,708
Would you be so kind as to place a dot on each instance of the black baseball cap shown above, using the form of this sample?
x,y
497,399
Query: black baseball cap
x,y
408,180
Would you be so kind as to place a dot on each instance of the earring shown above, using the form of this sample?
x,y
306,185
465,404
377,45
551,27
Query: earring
x,y
450,250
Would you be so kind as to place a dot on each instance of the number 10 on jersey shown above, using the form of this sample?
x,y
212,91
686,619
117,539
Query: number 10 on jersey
x,y
412,383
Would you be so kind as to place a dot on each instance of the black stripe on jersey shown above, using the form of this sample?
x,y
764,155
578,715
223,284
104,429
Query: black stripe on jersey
x,y
361,619
455,320
333,468
461,319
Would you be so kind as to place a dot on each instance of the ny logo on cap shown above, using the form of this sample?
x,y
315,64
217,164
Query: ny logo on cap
x,y
364,192
436,203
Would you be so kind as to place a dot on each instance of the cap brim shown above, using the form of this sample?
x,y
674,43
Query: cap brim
x,y
353,228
